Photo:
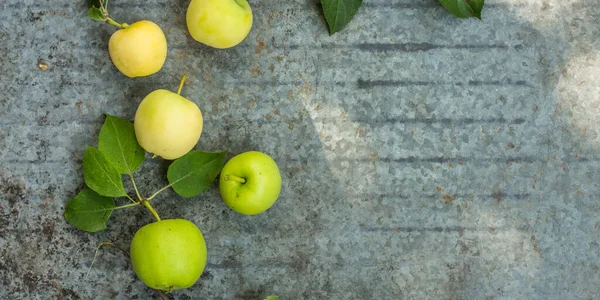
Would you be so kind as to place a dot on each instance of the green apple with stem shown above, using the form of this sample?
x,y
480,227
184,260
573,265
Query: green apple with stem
x,y
250,183
169,254
167,124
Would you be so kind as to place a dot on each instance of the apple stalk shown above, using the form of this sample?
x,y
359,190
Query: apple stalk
x,y
235,178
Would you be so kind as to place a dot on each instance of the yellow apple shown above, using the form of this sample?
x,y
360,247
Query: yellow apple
x,y
219,23
139,49
167,124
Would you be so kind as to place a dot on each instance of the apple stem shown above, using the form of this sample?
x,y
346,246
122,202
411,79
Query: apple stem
x,y
183,78
151,209
113,22
235,178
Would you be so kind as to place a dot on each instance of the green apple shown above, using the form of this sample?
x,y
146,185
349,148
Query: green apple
x,y
219,23
167,124
250,182
169,254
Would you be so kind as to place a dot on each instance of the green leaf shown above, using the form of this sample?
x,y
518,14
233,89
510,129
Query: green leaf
x,y
95,13
117,142
89,211
477,6
100,175
194,172
338,13
464,8
272,298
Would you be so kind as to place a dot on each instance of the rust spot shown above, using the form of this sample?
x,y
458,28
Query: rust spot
x,y
78,103
412,132
268,117
397,229
388,243
277,112
316,107
260,47
373,154
272,68
460,233
450,164
255,71
447,199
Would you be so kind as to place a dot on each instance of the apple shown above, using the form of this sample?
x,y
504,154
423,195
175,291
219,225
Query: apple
x,y
250,183
139,49
168,255
167,124
219,23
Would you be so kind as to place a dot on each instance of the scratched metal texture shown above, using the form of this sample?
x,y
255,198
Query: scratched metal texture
x,y
423,156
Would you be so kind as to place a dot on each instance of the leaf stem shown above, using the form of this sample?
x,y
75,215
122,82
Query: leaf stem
x,y
129,197
151,209
235,178
159,191
94,260
126,205
104,244
183,78
137,192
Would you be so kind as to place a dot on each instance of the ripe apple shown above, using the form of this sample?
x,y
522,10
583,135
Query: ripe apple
x,y
169,254
167,124
219,23
250,182
139,49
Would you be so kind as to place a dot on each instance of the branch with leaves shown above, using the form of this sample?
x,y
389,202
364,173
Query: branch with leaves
x,y
119,154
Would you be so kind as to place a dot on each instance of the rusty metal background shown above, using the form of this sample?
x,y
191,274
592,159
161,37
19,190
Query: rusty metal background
x,y
423,156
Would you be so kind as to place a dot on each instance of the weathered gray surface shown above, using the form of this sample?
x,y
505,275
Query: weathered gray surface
x,y
423,156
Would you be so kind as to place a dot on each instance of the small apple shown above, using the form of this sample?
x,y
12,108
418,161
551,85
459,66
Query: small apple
x,y
167,124
219,23
169,254
250,183
139,49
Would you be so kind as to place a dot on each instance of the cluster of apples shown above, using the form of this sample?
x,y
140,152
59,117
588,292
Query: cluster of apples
x,y
140,49
171,254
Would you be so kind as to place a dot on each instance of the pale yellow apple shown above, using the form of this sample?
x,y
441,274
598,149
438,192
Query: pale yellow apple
x,y
219,23
168,125
140,49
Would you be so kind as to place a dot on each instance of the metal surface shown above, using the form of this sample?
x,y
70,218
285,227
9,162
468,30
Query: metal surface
x,y
423,156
